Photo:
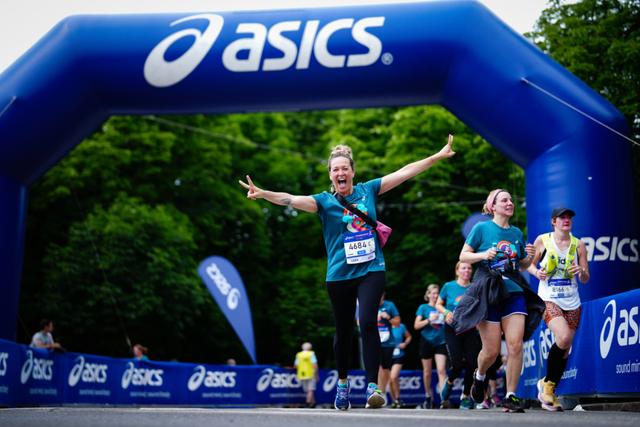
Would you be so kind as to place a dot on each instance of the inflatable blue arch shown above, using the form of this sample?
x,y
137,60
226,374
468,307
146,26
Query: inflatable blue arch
x,y
453,53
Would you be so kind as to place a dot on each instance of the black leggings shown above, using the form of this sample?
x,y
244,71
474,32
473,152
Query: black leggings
x,y
463,353
343,294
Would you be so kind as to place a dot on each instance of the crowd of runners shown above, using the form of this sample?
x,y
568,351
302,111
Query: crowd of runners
x,y
468,319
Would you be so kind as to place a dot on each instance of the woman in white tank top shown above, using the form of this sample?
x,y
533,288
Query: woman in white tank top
x,y
563,261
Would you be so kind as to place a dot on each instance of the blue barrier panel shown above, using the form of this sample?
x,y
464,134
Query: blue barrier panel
x,y
150,383
40,377
89,379
605,356
220,385
9,362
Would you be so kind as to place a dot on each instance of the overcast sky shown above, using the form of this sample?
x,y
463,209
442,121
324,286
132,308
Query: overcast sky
x,y
23,22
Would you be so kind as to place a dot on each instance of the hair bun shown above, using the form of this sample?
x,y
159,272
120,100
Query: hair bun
x,y
343,150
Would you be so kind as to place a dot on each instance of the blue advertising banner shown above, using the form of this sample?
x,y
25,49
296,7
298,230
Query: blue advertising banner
x,y
89,379
9,361
150,383
604,361
40,376
225,285
605,356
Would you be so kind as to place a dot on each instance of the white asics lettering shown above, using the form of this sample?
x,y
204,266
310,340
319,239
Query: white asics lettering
x,y
410,383
621,325
270,378
87,372
246,54
162,73
141,377
36,368
4,357
223,285
313,42
356,382
529,354
611,248
211,379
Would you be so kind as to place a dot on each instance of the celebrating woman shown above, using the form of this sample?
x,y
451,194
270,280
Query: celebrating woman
x,y
355,263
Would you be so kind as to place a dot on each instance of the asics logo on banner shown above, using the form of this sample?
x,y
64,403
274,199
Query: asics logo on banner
x,y
528,354
211,379
3,363
141,377
607,248
622,324
160,73
223,285
88,372
410,383
246,54
36,368
356,382
276,380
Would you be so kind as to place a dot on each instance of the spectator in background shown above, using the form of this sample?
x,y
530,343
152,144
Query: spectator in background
x,y
231,362
140,352
43,338
307,372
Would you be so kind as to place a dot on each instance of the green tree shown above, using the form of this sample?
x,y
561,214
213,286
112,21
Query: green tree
x,y
599,41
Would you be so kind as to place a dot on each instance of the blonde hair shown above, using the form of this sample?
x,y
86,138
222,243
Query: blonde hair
x,y
487,208
340,151
430,288
458,265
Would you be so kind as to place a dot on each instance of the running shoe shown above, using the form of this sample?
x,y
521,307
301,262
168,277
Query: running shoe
x,y
466,403
375,398
485,404
477,389
496,401
428,403
547,396
513,404
446,390
396,404
342,397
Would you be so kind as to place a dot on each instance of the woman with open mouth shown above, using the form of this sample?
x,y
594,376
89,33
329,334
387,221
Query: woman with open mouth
x,y
355,262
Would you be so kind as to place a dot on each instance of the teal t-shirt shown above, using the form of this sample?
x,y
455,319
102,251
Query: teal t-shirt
x,y
398,338
335,229
451,294
510,241
384,325
434,331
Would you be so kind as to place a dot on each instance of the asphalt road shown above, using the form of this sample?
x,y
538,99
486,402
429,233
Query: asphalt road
x,y
281,417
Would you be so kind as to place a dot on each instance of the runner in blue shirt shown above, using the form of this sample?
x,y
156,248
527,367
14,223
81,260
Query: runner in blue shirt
x,y
499,246
463,348
388,318
355,263
402,338
430,323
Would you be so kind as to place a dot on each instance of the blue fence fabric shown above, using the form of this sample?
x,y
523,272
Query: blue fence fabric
x,y
605,360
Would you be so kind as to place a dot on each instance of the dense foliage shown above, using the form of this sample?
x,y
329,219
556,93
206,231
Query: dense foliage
x,y
599,41
117,229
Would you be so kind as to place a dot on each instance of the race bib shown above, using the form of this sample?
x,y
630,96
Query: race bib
x,y
562,288
384,333
359,247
